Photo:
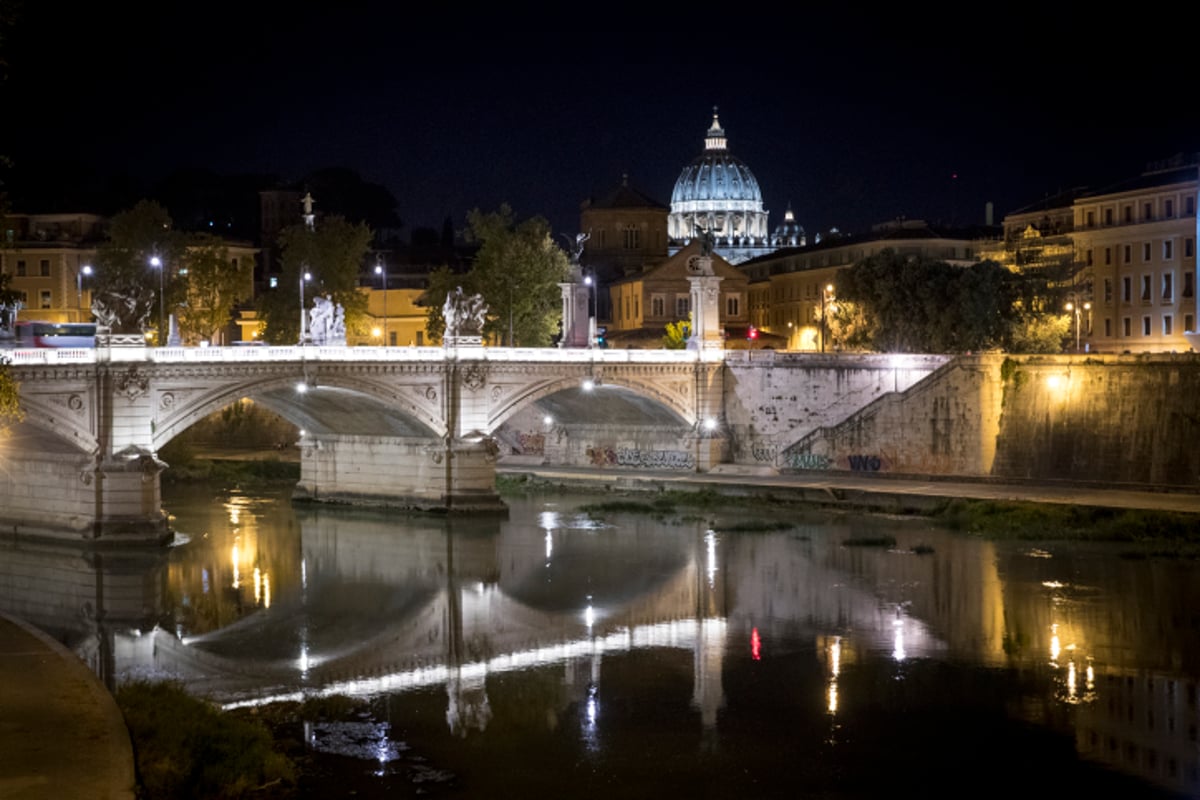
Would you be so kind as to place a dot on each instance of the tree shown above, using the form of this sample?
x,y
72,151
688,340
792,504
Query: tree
x,y
896,303
126,287
677,334
212,288
333,254
517,270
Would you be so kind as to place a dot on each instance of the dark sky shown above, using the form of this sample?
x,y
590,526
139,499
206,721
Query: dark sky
x,y
851,119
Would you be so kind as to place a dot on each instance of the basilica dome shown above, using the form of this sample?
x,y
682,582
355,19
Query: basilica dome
x,y
718,193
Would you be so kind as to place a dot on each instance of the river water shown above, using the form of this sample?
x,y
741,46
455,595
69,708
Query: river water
x,y
736,651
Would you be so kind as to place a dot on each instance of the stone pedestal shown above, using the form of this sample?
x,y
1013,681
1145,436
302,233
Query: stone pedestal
x,y
401,472
706,308
577,326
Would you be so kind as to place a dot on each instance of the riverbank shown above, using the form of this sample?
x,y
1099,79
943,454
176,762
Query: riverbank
x,y
853,491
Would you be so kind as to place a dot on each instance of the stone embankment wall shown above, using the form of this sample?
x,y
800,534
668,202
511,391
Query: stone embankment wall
x,y
1104,419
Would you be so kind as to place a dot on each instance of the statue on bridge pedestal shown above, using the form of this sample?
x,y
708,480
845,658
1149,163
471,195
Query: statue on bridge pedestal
x,y
464,315
327,322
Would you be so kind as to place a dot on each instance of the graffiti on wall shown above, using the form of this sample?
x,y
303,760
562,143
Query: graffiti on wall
x,y
806,461
643,459
855,463
531,444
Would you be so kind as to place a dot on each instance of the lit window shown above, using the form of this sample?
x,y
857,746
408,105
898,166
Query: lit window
x,y
45,298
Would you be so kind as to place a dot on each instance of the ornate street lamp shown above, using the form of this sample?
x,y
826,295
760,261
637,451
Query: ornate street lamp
x,y
304,278
379,270
86,269
160,337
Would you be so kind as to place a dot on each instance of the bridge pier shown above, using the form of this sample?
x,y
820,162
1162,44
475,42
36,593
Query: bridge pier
x,y
451,475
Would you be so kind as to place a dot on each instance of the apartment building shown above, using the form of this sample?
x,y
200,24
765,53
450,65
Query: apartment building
x,y
1136,241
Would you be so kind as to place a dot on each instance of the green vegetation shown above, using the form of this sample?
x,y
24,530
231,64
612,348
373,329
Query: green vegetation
x,y
1048,522
870,541
754,526
230,473
185,747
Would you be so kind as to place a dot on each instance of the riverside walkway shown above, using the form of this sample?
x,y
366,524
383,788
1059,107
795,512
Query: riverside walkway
x,y
62,735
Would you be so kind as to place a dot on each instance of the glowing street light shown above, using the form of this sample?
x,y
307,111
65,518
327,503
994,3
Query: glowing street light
x,y
86,269
157,263
1078,318
827,299
593,311
379,270
304,278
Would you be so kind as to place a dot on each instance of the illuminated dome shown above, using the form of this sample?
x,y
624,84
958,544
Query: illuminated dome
x,y
719,193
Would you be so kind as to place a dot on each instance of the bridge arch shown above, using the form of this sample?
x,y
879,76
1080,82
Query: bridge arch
x,y
632,392
335,404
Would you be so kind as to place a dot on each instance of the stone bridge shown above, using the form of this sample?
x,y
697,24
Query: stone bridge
x,y
418,428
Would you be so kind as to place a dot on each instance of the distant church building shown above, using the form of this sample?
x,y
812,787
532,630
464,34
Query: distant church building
x,y
718,193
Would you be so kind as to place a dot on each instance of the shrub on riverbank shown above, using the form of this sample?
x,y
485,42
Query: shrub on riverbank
x,y
242,473
186,748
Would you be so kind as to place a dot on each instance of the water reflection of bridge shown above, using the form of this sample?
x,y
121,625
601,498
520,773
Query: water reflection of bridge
x,y
379,610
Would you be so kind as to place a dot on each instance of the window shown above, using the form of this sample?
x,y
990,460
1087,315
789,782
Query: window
x,y
1146,251
44,268
1128,253
1188,247
1168,250
1189,322
1128,214
1126,289
1089,257
1189,205
633,239
658,306
420,338
1189,286
1147,211
683,305
1108,218
1168,287
1091,219
1107,328
1168,208
731,305
1146,288
20,268
1167,325
45,298
1145,326
1126,325
1107,256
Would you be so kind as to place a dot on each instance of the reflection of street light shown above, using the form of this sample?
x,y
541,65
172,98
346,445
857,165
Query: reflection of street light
x,y
826,298
379,270
304,278
1078,318
591,284
157,263
86,269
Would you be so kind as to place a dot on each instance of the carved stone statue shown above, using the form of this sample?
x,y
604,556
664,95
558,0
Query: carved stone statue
x,y
707,239
464,315
576,251
327,322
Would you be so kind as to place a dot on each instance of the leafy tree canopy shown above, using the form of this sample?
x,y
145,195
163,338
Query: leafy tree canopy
x,y
897,303
333,254
517,270
125,287
214,285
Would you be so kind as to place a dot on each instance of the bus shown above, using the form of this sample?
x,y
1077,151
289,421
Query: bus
x,y
29,334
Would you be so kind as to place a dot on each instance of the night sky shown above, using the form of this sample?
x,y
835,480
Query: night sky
x,y
852,120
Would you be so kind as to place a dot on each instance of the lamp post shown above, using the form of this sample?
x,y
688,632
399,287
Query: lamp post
x,y
86,269
156,262
826,298
590,281
1078,313
304,278
379,270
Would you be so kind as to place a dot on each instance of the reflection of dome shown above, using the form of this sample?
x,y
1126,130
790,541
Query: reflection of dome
x,y
719,193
